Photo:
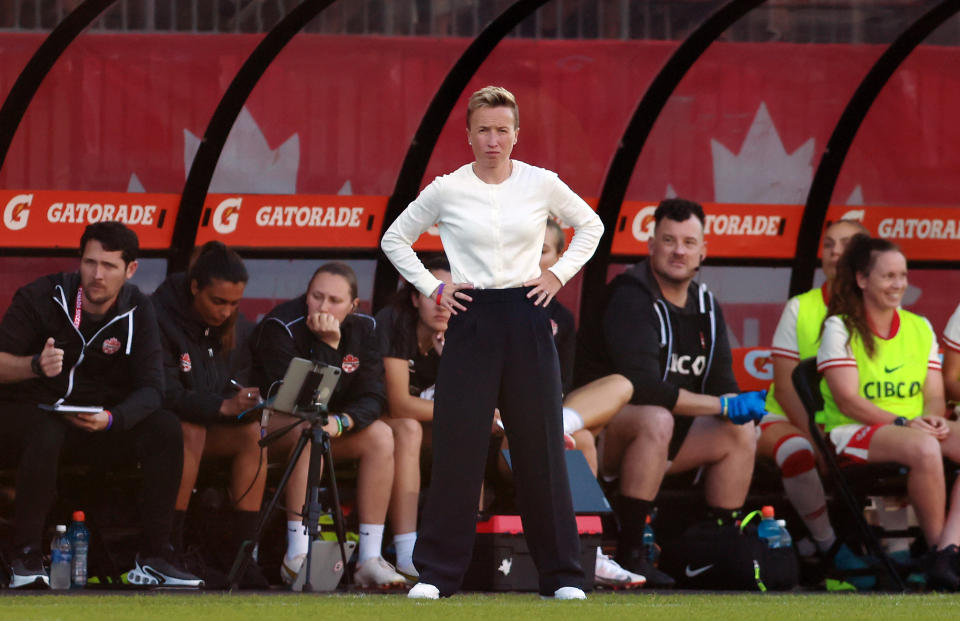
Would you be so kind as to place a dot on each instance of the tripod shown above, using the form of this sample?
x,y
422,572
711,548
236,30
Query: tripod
x,y
319,441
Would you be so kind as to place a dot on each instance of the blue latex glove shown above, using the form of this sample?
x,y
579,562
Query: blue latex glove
x,y
745,407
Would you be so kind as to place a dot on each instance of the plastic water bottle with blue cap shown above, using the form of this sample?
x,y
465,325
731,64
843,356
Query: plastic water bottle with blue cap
x,y
769,530
60,559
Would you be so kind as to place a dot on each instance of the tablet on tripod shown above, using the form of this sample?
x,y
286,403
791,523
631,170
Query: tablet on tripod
x,y
306,385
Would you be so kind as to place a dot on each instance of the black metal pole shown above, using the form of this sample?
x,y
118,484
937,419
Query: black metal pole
x,y
635,137
215,137
39,65
825,178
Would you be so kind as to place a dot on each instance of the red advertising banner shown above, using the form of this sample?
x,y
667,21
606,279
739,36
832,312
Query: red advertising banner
x,y
292,220
56,219
923,233
741,231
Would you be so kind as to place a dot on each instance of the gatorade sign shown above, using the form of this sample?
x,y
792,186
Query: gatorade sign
x,y
923,233
292,220
741,231
753,367
56,219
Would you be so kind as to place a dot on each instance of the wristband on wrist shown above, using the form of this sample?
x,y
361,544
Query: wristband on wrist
x,y
35,365
440,293
345,421
339,425
109,420
723,407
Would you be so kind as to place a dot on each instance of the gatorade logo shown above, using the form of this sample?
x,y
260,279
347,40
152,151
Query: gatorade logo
x,y
226,215
855,214
16,213
643,223
759,364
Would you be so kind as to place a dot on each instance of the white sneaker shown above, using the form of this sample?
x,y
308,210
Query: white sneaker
x,y
567,592
410,573
379,574
290,568
422,590
610,574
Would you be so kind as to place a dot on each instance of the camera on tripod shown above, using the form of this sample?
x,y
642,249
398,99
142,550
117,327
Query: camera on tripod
x,y
305,394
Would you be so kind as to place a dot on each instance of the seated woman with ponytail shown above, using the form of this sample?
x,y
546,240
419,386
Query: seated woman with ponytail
x,y
207,387
411,331
885,401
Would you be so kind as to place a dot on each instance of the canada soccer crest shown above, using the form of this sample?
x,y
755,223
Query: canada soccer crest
x,y
185,364
111,345
350,363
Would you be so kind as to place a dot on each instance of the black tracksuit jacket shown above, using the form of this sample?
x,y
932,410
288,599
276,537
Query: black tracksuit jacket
x,y
659,347
197,369
283,335
118,367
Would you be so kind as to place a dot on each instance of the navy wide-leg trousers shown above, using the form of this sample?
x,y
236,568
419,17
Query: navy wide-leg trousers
x,y
498,353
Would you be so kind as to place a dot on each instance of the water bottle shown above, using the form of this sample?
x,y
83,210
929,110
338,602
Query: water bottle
x,y
650,543
79,538
60,558
786,541
769,530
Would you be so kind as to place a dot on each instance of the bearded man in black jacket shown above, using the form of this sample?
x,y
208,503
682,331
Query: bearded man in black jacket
x,y
666,334
89,338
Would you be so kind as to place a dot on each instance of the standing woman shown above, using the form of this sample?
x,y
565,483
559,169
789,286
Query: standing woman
x,y
885,400
499,350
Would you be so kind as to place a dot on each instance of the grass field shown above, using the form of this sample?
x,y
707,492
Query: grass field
x,y
636,606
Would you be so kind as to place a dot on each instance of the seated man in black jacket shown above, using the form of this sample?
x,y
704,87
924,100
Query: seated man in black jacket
x,y
321,325
204,351
667,336
89,338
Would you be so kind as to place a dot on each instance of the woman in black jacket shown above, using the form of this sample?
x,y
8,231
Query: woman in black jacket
x,y
321,325
206,369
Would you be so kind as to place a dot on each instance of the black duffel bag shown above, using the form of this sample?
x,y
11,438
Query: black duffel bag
x,y
729,557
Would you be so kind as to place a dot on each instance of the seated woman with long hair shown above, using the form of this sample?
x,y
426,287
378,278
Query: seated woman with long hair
x,y
885,401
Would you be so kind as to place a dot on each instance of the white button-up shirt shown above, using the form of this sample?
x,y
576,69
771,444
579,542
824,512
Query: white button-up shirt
x,y
492,233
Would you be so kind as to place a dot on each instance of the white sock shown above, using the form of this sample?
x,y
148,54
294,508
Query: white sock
x,y
297,540
404,544
802,485
572,421
371,539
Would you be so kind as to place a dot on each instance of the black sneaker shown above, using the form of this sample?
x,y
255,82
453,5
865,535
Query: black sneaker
x,y
27,569
940,569
192,562
158,571
637,560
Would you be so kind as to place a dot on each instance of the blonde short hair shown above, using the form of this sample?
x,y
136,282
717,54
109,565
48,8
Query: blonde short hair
x,y
493,97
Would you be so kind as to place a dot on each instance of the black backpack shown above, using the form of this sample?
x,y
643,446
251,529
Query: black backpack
x,y
718,556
